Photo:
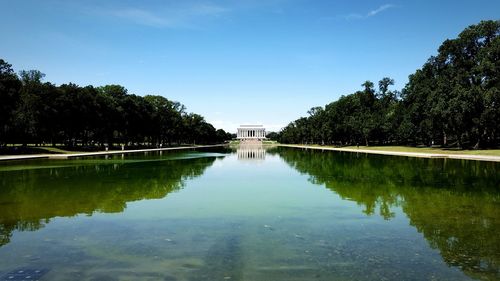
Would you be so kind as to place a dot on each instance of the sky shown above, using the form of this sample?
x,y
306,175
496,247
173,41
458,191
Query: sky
x,y
234,62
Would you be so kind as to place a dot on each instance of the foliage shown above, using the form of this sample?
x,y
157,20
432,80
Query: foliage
x,y
272,136
35,112
9,97
453,100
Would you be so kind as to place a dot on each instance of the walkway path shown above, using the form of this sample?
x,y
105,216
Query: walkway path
x,y
399,153
100,153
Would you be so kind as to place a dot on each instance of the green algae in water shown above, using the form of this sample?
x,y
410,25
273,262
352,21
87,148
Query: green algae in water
x,y
291,215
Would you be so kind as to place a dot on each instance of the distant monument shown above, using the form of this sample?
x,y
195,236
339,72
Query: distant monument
x,y
251,133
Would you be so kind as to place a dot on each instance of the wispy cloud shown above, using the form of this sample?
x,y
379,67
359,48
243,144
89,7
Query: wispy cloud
x,y
180,14
372,13
379,10
168,17
207,10
142,17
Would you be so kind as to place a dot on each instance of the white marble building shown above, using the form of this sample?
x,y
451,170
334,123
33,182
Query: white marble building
x,y
251,132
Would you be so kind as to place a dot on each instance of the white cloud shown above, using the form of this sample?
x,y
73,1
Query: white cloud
x,y
169,16
207,10
142,17
359,16
379,10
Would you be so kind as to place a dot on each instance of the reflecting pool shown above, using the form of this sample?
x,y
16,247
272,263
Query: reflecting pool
x,y
250,213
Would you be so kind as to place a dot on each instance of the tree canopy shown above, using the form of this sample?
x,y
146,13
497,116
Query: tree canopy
x,y
36,112
453,100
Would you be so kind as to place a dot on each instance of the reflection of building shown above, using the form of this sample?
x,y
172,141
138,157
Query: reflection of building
x,y
251,152
251,133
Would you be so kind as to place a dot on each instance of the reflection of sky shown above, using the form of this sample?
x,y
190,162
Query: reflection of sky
x,y
232,187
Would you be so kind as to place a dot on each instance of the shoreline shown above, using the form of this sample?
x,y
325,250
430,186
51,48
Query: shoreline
x,y
99,153
459,156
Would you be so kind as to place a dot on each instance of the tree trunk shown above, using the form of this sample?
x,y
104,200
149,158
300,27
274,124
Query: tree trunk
x,y
476,146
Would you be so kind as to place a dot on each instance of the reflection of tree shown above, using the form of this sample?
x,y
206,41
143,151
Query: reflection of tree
x,y
464,227
29,198
454,204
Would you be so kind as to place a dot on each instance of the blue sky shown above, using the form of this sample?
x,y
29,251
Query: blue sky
x,y
234,62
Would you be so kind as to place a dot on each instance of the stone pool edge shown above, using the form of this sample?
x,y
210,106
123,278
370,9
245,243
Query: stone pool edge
x,y
99,153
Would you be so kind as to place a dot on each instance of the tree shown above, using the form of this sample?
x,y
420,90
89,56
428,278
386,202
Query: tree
x,y
453,100
454,88
272,136
383,86
35,112
9,97
27,115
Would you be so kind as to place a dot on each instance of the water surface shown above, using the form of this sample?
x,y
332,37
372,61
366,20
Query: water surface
x,y
251,214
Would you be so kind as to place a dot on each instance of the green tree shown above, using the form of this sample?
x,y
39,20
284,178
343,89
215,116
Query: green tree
x,y
27,115
9,97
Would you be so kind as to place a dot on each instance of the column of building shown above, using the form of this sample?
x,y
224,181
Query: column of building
x,y
258,133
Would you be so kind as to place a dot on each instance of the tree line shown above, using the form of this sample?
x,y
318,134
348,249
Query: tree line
x,y
36,112
452,101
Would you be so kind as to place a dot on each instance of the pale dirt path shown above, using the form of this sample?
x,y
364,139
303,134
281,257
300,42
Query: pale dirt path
x,y
400,153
